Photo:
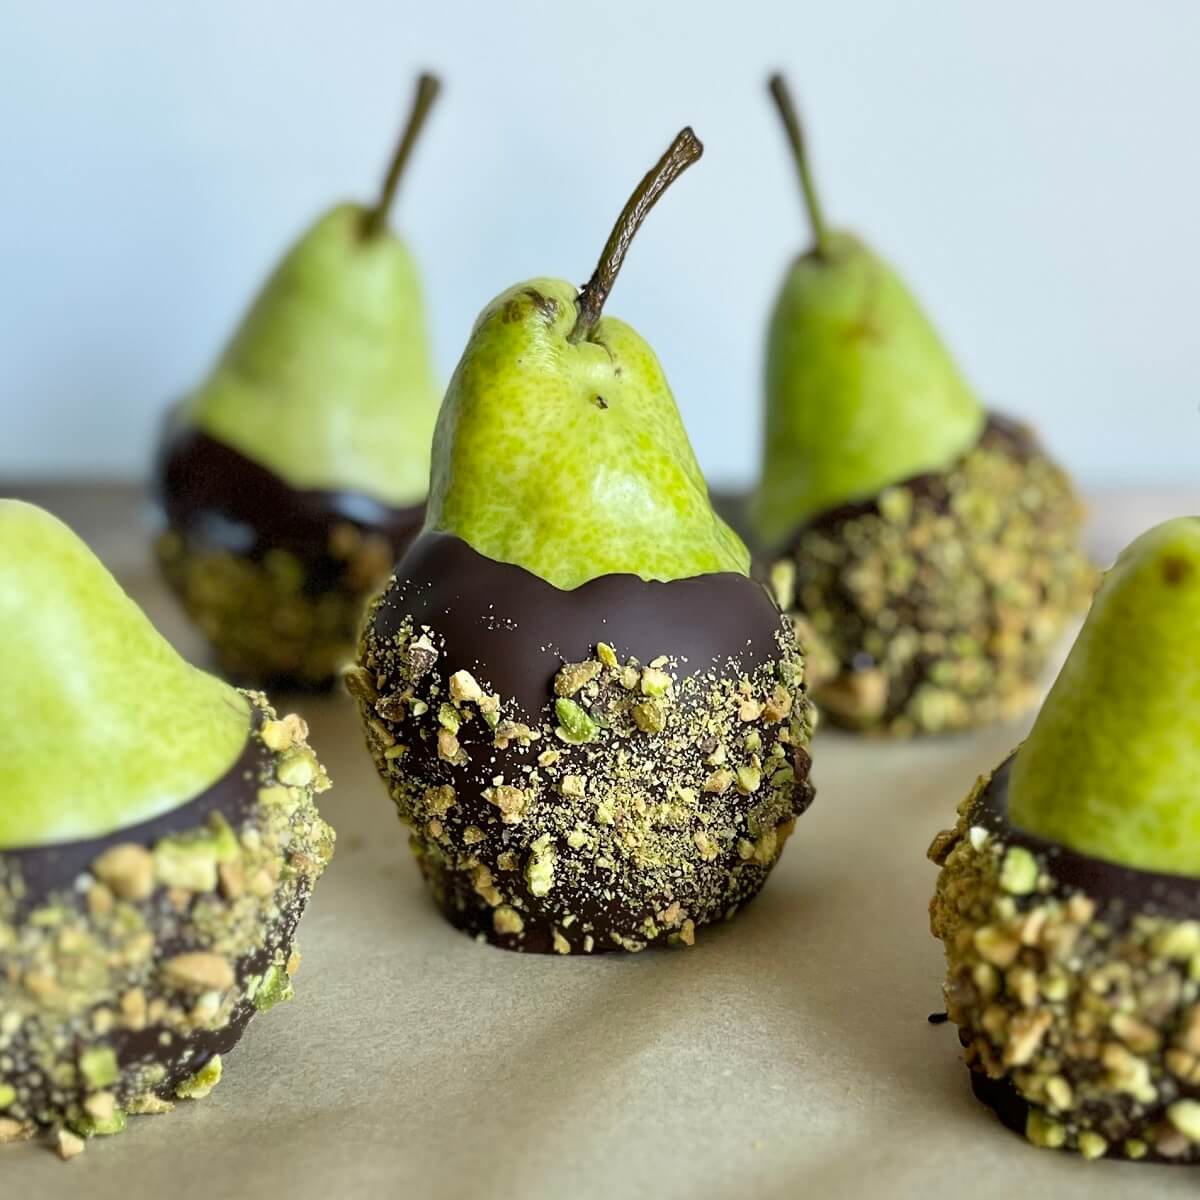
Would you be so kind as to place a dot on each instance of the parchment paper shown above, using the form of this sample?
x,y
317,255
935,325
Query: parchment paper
x,y
787,1054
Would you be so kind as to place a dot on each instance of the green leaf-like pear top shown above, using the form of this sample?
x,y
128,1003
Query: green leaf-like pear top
x,y
328,381
860,390
570,458
1112,765
102,724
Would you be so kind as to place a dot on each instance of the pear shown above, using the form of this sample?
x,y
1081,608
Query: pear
x,y
103,724
571,659
860,390
559,447
328,381
1111,768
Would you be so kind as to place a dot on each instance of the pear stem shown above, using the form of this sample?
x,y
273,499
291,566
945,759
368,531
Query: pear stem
x,y
428,87
782,96
683,151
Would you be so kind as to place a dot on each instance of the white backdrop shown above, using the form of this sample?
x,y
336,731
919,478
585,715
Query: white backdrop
x,y
1032,167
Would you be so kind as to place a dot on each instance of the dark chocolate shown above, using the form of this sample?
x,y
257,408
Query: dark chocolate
x,y
515,631
1002,433
1121,895
1115,888
182,1057
50,869
1012,1110
55,867
932,603
218,498
519,629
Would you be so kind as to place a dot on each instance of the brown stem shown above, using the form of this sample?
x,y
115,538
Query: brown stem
x,y
791,122
428,87
683,151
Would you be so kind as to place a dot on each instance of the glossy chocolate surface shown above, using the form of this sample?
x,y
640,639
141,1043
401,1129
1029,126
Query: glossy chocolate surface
x,y
217,497
514,631
519,629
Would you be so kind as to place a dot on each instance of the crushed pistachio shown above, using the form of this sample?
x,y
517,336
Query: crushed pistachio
x,y
939,600
199,1085
666,788
86,970
1090,1011
262,618
574,725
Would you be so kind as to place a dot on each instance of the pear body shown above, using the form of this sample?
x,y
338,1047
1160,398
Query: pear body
x,y
1112,765
570,459
102,724
861,391
328,381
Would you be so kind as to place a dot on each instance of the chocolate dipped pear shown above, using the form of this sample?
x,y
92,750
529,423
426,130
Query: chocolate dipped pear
x,y
931,549
158,844
1069,893
295,474
590,717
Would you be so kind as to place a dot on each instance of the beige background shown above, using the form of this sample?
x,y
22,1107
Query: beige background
x,y
786,1054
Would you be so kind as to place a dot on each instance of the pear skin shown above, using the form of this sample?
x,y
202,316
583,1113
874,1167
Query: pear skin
x,y
861,392
102,724
559,447
571,459
329,379
1112,765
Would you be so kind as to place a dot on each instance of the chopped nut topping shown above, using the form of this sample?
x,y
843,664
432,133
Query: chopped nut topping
x,y
127,870
464,688
198,971
511,801
574,676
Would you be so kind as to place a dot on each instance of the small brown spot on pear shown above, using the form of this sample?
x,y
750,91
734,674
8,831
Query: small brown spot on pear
x,y
1175,570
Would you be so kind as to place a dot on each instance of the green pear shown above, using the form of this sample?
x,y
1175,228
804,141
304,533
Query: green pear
x,y
1112,766
559,447
328,381
102,724
860,390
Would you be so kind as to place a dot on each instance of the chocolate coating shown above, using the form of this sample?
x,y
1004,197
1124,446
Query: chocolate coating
x,y
934,602
522,629
1071,980
45,870
210,923
514,632
221,499
55,867
276,577
1114,887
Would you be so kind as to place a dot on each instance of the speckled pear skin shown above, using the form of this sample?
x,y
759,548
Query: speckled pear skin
x,y
1112,766
861,392
571,460
329,380
102,724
